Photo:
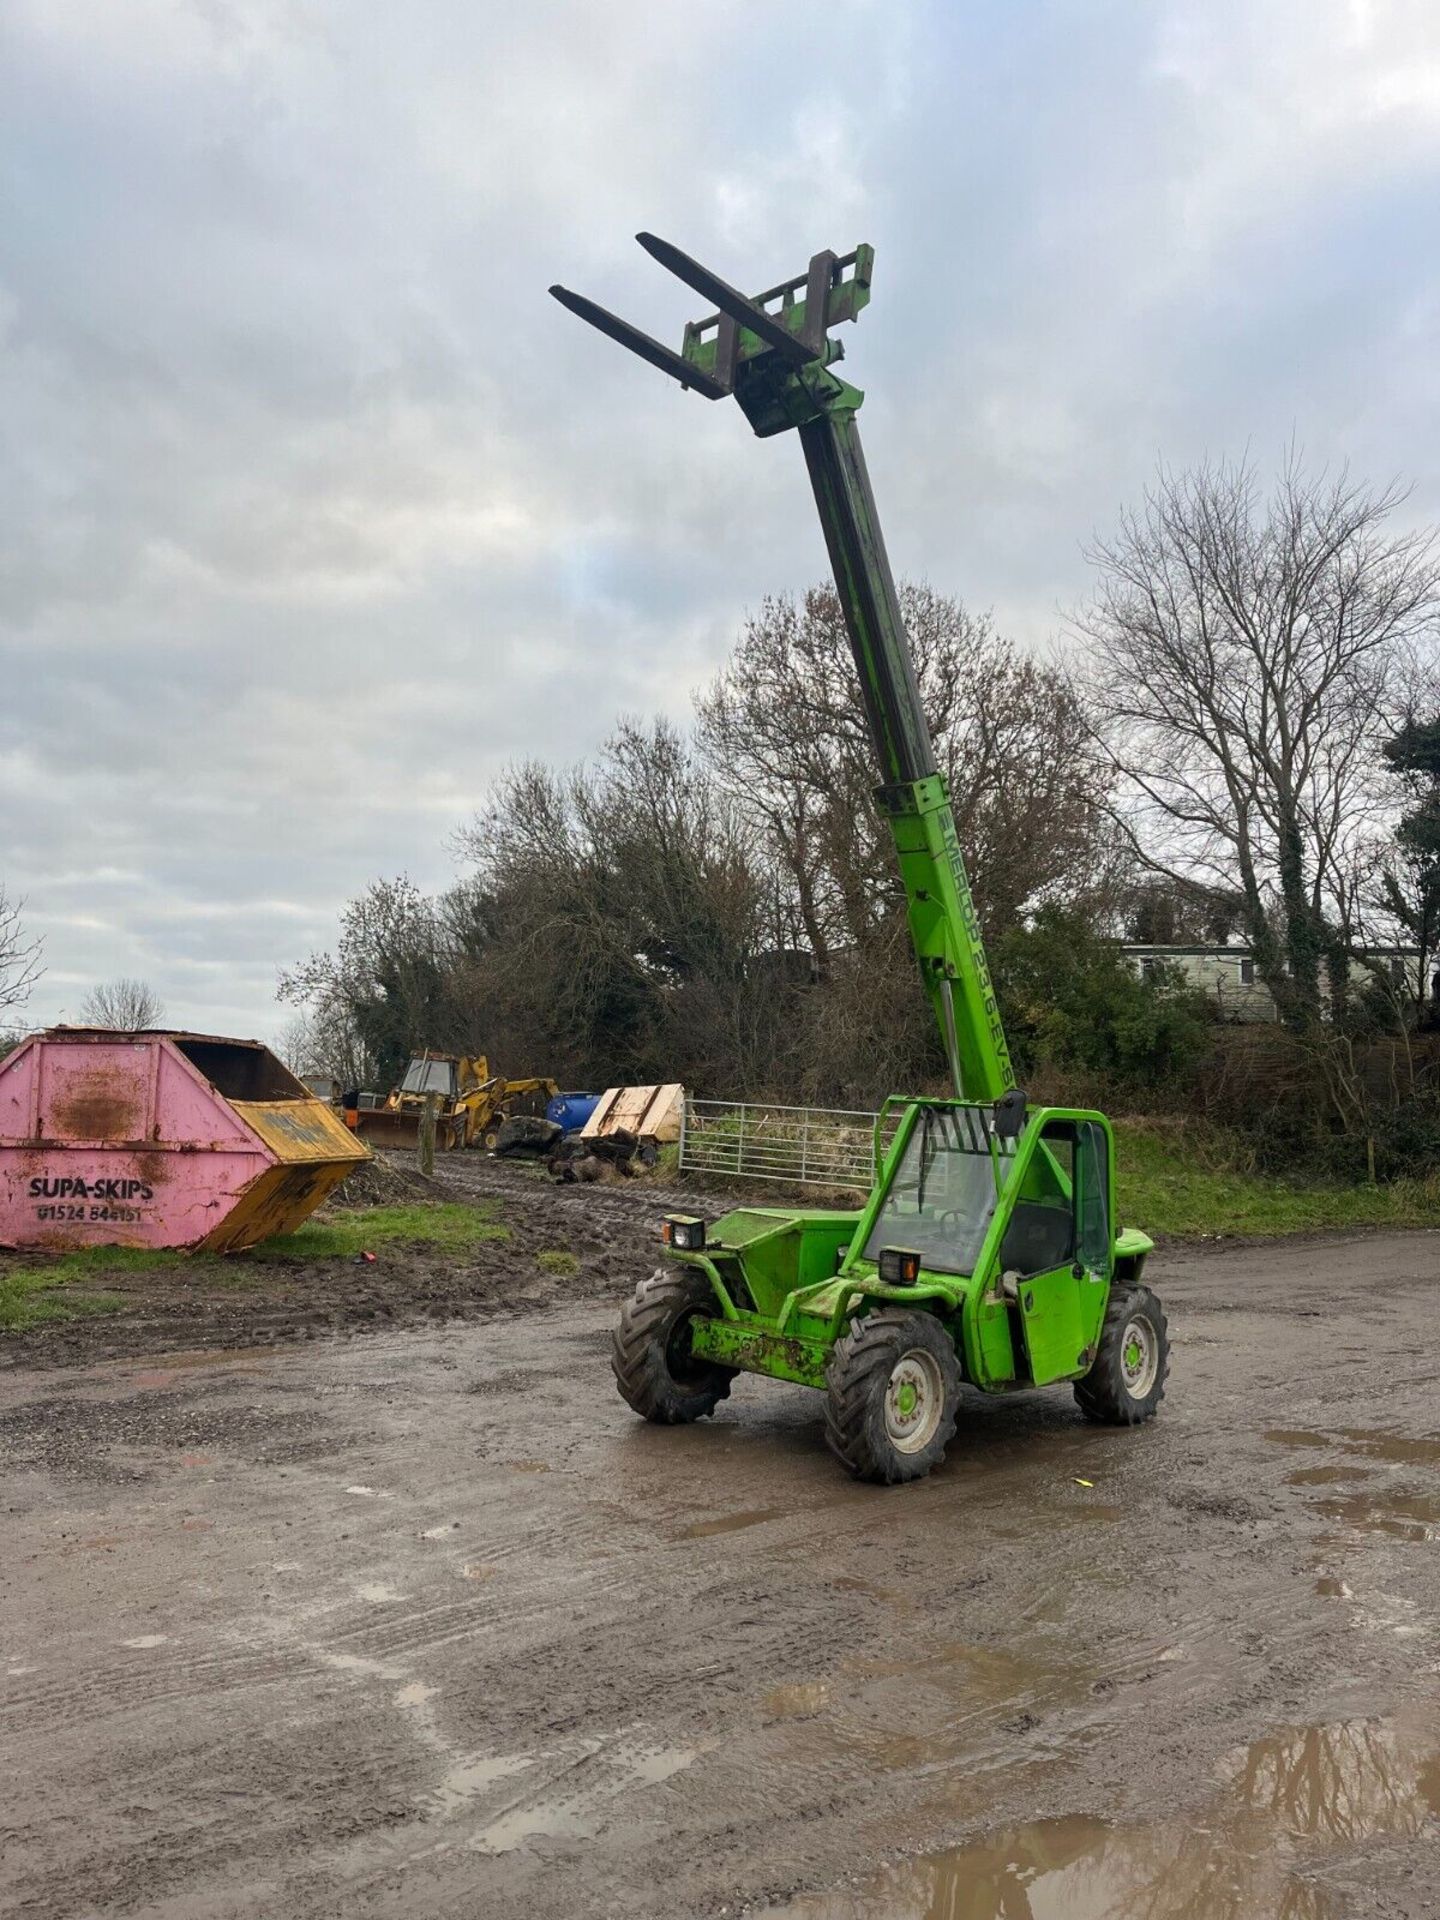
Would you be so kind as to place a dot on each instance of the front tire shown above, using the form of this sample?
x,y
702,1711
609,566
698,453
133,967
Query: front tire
x,y
1127,1381
893,1396
650,1351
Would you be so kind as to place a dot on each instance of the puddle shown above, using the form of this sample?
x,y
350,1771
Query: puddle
x,y
215,1356
595,1780
1375,1443
799,1701
1404,1516
730,1523
354,1663
464,1779
1327,1476
955,1701
1399,1448
1374,1507
1285,1801
162,1373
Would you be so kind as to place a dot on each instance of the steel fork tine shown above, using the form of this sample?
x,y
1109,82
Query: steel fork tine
x,y
641,343
772,331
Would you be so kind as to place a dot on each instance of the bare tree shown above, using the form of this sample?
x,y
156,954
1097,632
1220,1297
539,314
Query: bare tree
x,y
20,965
1246,658
324,1042
785,725
125,1004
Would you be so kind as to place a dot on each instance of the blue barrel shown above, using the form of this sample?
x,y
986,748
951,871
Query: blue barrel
x,y
571,1110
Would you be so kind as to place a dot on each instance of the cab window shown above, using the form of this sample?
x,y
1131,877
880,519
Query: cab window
x,y
1042,1229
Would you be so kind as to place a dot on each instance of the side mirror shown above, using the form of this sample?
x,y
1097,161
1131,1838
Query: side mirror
x,y
1010,1114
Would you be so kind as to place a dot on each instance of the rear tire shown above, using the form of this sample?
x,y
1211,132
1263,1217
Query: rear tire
x,y
650,1351
1126,1384
894,1396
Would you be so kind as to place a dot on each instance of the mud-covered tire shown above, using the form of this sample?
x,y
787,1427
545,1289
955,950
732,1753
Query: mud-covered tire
x,y
1126,1383
893,1396
650,1350
522,1133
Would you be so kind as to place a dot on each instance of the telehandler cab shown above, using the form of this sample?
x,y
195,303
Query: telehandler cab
x,y
987,1251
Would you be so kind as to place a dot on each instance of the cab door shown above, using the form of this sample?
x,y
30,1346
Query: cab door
x,y
1055,1256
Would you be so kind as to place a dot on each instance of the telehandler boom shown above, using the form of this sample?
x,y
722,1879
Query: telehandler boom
x,y
987,1250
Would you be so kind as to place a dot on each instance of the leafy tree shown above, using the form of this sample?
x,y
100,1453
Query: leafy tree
x,y
386,981
1409,878
615,913
1071,1001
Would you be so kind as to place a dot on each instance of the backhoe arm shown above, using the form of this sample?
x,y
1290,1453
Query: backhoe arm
x,y
774,355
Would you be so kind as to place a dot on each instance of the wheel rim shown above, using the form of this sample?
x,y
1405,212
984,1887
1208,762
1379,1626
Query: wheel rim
x,y
1139,1357
914,1401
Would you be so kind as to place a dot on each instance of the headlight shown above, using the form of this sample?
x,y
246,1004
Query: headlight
x,y
685,1233
899,1266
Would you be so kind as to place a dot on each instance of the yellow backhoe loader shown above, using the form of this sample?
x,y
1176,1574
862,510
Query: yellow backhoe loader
x,y
473,1102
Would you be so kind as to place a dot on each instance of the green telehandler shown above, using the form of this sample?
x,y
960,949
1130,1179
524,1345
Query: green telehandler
x,y
987,1251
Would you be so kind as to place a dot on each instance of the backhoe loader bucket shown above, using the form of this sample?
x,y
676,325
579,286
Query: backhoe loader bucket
x,y
392,1127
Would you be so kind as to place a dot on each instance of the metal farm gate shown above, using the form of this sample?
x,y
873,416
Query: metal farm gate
x,y
799,1146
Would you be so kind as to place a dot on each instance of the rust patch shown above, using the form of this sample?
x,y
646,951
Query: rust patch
x,y
95,1106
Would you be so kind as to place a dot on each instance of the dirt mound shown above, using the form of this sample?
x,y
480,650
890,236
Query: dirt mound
x,y
381,1183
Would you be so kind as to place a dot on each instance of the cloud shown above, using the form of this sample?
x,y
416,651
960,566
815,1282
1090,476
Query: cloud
x,y
314,511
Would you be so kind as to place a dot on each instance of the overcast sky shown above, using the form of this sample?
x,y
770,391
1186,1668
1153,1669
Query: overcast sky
x,y
314,510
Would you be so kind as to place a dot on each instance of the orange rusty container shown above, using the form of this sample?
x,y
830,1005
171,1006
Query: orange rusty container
x,y
160,1139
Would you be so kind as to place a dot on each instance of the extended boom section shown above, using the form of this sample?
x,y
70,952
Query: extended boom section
x,y
774,354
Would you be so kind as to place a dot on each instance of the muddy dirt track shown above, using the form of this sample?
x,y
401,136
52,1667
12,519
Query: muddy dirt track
x,y
425,1624
610,1231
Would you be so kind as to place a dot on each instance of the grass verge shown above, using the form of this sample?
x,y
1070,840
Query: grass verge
x,y
64,1288
1189,1184
344,1233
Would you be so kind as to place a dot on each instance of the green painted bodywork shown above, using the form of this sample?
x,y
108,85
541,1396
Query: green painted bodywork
x,y
787,1284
